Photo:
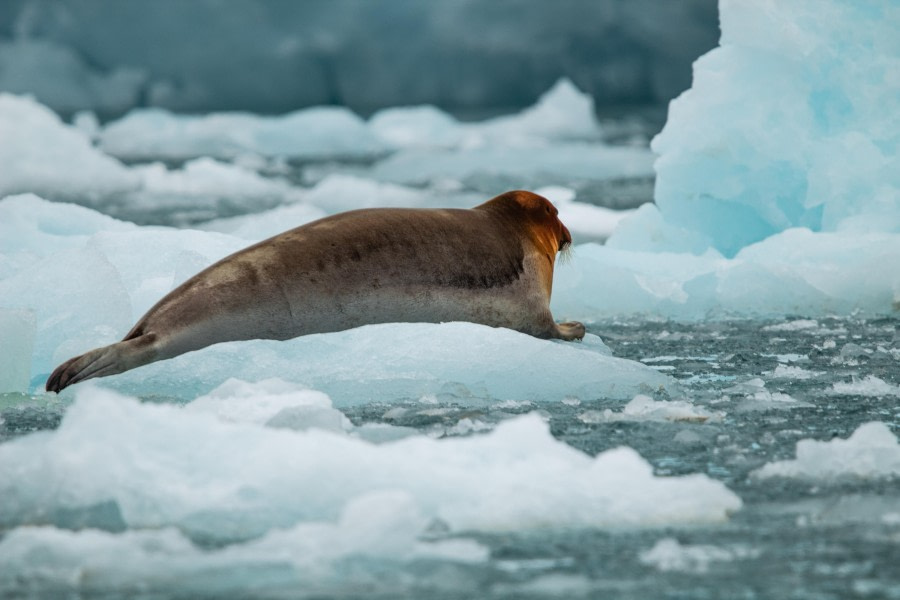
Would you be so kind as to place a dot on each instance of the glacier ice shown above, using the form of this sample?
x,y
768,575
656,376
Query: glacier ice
x,y
234,481
872,451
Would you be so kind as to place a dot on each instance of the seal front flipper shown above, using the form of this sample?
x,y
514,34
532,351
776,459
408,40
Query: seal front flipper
x,y
570,330
109,360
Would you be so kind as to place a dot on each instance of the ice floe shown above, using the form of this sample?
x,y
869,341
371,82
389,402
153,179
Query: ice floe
x,y
157,466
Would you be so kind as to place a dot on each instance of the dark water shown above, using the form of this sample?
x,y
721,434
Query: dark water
x,y
792,539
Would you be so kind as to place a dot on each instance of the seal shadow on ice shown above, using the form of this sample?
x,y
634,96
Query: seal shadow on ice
x,y
492,264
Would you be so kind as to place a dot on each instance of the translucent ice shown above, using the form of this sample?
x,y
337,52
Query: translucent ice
x,y
785,125
322,132
462,362
17,335
872,451
235,481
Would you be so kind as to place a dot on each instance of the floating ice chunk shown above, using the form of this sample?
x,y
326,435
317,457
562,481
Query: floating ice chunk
x,y
237,401
43,155
784,125
60,79
17,328
337,193
202,189
670,555
379,532
796,325
463,362
416,126
562,112
87,122
232,482
32,228
791,372
868,386
644,408
516,167
870,452
262,225
312,133
757,397
333,194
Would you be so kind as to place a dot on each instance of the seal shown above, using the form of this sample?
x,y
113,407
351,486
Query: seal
x,y
492,264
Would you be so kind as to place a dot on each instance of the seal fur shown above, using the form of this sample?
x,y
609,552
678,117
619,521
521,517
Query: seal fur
x,y
492,264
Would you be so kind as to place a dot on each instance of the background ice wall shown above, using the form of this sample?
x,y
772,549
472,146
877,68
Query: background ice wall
x,y
276,56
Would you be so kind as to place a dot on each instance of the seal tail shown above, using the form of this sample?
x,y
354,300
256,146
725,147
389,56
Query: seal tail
x,y
109,360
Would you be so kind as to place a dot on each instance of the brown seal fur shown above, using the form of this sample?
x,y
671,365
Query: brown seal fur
x,y
492,264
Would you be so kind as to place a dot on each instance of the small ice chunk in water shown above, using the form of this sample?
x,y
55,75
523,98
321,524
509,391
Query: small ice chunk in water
x,y
670,555
17,329
237,401
869,385
872,451
644,408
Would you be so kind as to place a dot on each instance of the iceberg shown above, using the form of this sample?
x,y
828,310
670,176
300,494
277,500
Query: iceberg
x,y
776,189
784,125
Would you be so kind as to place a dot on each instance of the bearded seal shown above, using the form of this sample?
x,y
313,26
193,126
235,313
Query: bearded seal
x,y
492,264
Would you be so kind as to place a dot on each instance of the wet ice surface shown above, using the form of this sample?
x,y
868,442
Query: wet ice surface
x,y
756,388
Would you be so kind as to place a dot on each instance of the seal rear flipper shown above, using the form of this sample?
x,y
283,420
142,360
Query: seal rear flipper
x,y
109,360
